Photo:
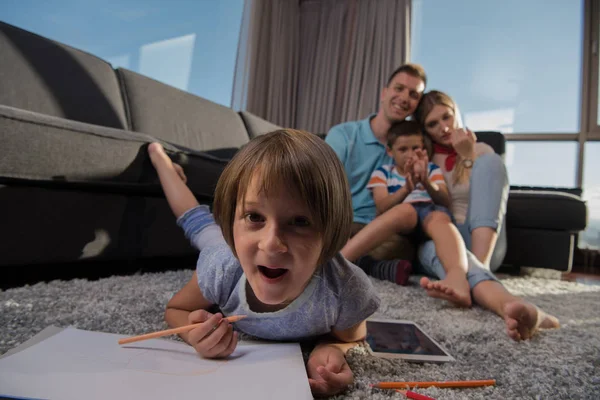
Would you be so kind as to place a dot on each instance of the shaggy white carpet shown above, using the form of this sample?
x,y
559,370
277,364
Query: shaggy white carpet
x,y
562,363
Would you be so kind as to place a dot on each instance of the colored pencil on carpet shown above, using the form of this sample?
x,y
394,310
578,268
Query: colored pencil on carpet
x,y
414,395
174,331
446,384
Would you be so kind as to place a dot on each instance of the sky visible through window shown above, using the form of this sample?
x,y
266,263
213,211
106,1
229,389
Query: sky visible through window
x,y
191,44
514,66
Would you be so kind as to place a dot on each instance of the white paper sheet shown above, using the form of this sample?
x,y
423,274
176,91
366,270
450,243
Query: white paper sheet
x,y
76,364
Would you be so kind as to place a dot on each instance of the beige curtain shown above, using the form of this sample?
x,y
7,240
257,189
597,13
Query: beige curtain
x,y
315,63
266,73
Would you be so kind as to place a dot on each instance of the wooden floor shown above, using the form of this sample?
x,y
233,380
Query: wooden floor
x,y
581,277
589,275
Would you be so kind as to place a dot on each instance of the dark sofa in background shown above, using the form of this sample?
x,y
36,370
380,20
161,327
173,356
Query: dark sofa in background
x,y
76,184
541,223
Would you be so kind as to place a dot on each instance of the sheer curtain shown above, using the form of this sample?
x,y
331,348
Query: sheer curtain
x,y
311,64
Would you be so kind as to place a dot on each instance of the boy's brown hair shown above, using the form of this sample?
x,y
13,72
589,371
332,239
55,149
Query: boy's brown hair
x,y
300,161
408,128
403,128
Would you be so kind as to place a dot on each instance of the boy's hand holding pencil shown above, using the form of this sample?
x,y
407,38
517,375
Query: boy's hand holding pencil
x,y
210,334
214,336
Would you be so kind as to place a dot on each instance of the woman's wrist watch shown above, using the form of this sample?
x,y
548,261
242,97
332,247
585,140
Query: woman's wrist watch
x,y
467,163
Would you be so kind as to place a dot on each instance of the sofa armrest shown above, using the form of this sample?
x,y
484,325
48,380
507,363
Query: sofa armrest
x,y
38,147
45,151
546,209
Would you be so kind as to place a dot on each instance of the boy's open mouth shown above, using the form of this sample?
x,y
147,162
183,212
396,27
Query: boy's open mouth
x,y
272,273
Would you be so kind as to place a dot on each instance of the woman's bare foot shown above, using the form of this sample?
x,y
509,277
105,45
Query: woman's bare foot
x,y
523,320
454,289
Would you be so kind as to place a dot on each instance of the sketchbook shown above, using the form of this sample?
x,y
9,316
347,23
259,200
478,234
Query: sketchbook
x,y
76,364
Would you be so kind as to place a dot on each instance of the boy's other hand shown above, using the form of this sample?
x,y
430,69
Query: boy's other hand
x,y
328,372
409,170
214,338
409,185
180,172
420,166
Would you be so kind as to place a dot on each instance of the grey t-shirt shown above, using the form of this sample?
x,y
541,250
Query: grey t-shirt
x,y
339,296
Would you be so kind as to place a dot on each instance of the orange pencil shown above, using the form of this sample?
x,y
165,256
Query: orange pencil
x,y
446,384
174,331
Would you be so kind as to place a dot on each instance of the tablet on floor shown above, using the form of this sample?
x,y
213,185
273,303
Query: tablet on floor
x,y
403,339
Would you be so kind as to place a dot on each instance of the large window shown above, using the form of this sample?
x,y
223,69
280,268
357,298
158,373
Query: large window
x,y
191,45
511,65
531,70
591,193
536,163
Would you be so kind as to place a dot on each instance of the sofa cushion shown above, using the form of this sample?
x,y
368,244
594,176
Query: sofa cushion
x,y
257,126
179,117
546,209
38,74
44,148
54,152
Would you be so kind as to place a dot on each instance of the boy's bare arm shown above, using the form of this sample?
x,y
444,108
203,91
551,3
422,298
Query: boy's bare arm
x,y
385,200
346,339
438,192
186,300
172,180
328,371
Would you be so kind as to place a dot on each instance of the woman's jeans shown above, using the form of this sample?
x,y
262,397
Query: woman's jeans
x,y
488,196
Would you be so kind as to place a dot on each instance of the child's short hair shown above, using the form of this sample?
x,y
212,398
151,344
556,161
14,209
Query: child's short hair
x,y
300,161
403,128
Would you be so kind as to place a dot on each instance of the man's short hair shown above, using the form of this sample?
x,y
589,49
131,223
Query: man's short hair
x,y
411,69
403,128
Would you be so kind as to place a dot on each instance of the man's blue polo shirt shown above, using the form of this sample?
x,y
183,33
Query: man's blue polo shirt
x,y
361,153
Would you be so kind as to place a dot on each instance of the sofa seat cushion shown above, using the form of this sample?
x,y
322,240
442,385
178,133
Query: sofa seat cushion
x,y
545,209
179,117
40,75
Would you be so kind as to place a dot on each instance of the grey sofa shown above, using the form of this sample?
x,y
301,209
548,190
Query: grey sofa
x,y
76,183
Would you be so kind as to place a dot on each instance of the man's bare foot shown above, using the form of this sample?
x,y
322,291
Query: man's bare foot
x,y
160,159
523,320
452,289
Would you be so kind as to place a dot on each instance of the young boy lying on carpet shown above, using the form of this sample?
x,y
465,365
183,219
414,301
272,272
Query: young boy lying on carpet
x,y
283,211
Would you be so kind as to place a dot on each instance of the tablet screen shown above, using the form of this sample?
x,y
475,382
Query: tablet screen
x,y
400,338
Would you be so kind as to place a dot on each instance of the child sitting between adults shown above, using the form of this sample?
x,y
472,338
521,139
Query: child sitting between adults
x,y
413,193
283,210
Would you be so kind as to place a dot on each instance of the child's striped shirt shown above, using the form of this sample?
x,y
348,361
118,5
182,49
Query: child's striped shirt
x,y
388,176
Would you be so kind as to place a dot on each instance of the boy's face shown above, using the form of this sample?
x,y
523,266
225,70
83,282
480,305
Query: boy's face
x,y
277,245
404,148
